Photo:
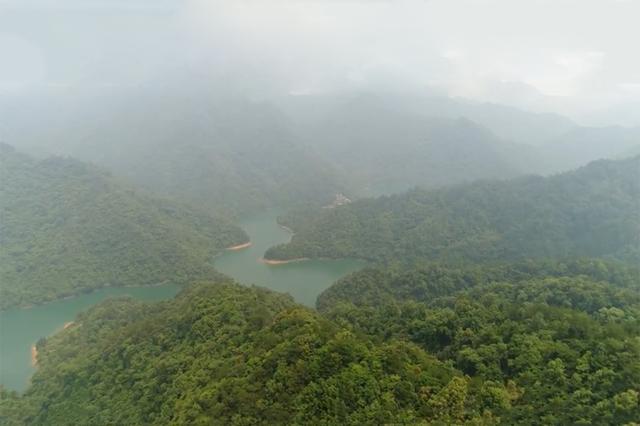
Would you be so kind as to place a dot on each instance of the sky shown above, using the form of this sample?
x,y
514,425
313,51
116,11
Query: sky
x,y
575,57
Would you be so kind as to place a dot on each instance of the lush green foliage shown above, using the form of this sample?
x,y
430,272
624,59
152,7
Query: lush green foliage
x,y
377,286
67,227
227,354
564,339
590,212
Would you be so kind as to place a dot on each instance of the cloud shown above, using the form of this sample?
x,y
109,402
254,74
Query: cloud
x,y
559,55
23,63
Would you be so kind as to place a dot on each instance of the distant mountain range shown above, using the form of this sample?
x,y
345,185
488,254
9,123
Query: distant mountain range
x,y
232,155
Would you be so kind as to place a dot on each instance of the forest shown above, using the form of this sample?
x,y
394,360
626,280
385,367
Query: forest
x,y
319,212
555,343
561,339
68,227
591,212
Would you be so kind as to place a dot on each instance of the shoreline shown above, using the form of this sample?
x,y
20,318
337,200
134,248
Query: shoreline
x,y
240,246
283,262
34,356
34,348
286,228
83,293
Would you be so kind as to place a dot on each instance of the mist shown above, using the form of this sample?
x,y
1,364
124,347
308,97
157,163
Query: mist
x,y
570,57
338,212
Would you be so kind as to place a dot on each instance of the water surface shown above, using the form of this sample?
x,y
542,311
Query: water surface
x,y
21,328
303,280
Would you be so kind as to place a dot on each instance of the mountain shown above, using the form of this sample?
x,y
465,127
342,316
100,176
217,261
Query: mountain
x,y
232,155
389,149
523,141
507,123
592,211
228,155
227,354
583,144
488,352
550,332
68,227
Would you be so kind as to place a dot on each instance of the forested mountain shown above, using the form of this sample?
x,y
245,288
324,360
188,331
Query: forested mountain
x,y
563,337
228,354
222,153
507,138
67,227
390,149
507,123
550,343
230,154
583,144
592,211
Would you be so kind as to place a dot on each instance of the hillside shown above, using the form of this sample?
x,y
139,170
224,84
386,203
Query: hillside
x,y
563,337
387,149
228,354
506,122
68,227
492,352
225,154
583,144
454,139
592,211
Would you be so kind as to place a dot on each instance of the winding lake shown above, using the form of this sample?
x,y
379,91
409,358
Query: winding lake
x,y
21,328
303,280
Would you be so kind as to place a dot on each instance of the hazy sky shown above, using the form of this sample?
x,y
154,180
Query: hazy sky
x,y
571,56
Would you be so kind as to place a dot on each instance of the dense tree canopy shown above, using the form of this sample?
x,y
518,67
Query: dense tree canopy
x,y
551,343
589,212
564,340
228,354
67,227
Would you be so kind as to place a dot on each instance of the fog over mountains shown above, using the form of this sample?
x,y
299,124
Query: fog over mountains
x,y
202,147
319,212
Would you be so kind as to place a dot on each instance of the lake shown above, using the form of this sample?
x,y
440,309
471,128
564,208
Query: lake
x,y
303,280
21,328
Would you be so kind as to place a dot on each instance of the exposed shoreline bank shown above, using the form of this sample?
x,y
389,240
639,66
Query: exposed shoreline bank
x,y
34,348
240,246
286,228
282,262
34,356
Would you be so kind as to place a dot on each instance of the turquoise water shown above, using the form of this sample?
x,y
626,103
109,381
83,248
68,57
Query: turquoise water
x,y
303,280
21,328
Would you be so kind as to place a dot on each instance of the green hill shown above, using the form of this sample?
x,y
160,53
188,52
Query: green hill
x,y
228,354
592,212
561,336
67,227
524,344
225,154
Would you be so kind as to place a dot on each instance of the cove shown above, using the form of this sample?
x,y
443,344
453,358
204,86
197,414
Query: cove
x,y
21,328
302,280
